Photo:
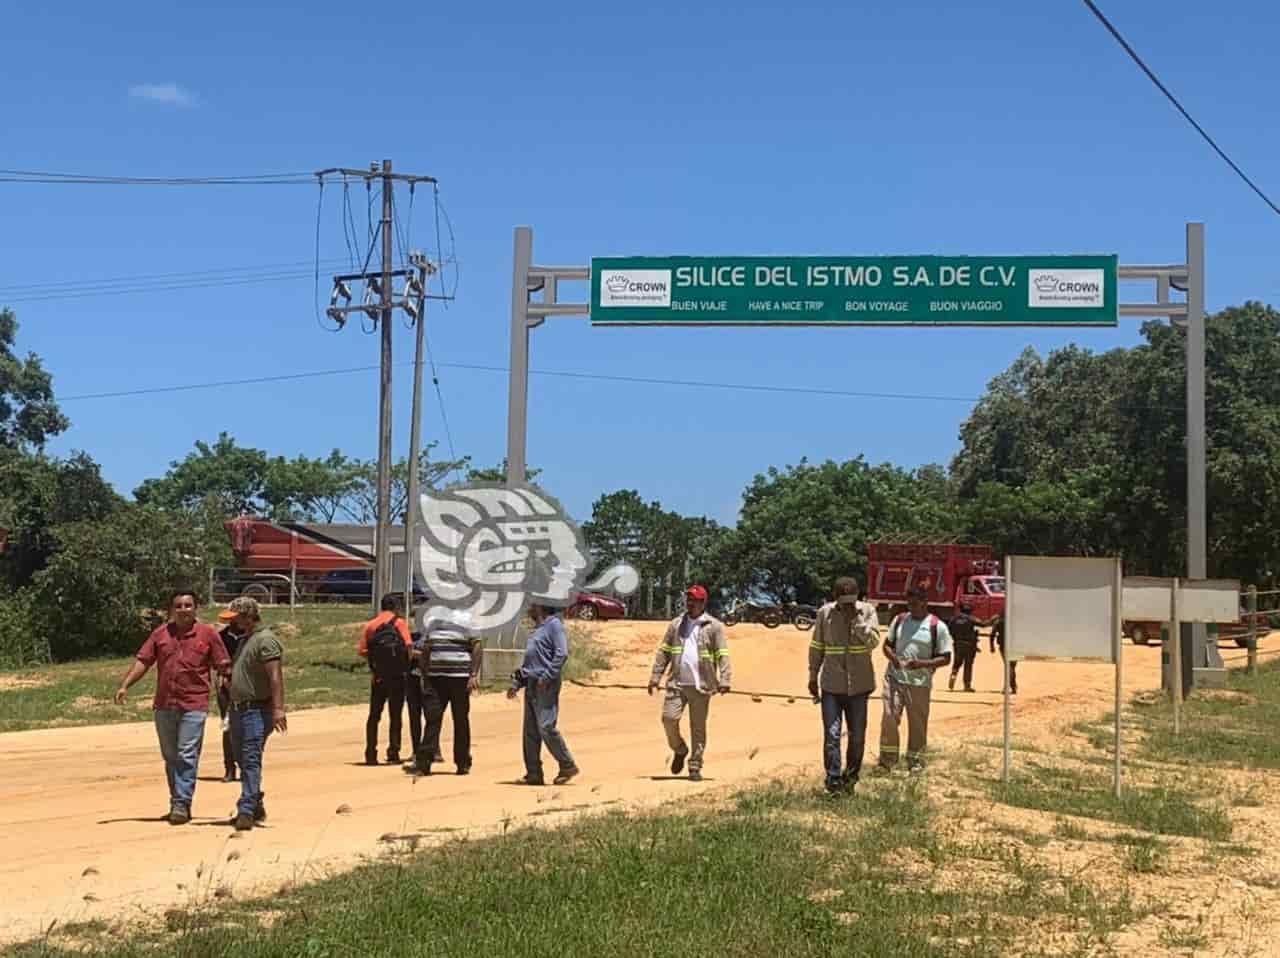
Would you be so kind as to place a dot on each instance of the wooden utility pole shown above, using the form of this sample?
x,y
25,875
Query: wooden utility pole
x,y
382,535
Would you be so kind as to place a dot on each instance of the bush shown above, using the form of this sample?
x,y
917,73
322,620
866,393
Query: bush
x,y
20,645
92,596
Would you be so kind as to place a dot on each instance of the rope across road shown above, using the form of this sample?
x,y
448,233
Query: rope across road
x,y
761,696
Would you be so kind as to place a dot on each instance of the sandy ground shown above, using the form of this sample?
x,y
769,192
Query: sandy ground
x,y
82,837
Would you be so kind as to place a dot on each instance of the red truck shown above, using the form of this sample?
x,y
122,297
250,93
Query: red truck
x,y
952,575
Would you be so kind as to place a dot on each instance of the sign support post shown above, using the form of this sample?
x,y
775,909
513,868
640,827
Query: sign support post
x,y
1175,649
1004,658
1117,637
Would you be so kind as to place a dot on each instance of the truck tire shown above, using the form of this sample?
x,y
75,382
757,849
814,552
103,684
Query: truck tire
x,y
258,591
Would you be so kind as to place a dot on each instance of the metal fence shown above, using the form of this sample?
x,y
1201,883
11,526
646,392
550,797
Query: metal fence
x,y
1258,620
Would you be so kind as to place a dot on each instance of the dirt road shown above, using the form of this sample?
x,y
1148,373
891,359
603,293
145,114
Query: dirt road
x,y
80,824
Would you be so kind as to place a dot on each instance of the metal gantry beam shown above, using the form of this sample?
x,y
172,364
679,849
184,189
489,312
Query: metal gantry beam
x,y
528,278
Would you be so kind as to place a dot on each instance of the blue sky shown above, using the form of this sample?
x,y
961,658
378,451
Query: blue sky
x,y
985,128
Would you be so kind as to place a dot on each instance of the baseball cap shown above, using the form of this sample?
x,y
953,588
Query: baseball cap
x,y
241,605
696,592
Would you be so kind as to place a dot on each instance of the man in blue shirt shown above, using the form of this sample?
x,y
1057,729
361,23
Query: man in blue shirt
x,y
540,677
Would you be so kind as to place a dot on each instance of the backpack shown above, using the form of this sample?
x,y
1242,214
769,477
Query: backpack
x,y
388,656
896,629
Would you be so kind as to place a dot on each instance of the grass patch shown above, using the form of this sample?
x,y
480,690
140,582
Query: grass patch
x,y
1162,809
1233,728
1071,831
1024,835
1145,855
777,869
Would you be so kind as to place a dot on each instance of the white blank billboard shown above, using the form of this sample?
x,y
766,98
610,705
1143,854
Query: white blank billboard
x,y
1062,607
1199,600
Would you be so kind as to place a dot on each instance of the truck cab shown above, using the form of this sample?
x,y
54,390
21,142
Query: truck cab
x,y
952,574
985,593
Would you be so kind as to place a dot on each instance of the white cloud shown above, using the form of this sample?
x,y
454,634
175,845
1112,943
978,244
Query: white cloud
x,y
169,94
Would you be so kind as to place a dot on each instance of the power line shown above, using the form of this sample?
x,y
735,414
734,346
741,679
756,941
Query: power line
x,y
635,380
143,278
87,179
1174,100
161,288
554,373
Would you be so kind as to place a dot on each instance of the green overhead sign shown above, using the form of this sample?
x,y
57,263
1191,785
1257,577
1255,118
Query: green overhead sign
x,y
854,290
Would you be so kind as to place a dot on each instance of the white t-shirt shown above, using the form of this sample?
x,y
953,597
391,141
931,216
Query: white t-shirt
x,y
688,675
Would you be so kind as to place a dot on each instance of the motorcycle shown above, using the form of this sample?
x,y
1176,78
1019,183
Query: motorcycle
x,y
802,616
770,616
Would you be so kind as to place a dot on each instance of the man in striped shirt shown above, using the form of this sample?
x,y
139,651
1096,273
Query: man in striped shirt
x,y
450,663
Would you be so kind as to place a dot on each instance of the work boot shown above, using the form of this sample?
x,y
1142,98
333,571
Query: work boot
x,y
260,810
179,814
393,758
370,759
677,763
951,683
243,822
567,775
532,780
695,775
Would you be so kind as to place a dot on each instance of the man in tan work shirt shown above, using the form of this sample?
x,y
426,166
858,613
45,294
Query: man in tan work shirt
x,y
841,676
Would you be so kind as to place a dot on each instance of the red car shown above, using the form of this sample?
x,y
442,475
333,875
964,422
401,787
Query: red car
x,y
591,605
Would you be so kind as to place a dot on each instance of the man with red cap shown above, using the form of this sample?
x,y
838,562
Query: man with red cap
x,y
695,656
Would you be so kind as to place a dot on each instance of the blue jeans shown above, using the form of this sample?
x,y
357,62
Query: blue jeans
x,y
837,710
541,711
181,736
250,729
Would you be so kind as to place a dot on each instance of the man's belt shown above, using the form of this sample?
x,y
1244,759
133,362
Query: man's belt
x,y
254,704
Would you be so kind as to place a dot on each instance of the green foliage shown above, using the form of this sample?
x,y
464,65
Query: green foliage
x,y
91,597
498,473
28,414
657,542
37,495
1163,809
806,525
1083,453
238,480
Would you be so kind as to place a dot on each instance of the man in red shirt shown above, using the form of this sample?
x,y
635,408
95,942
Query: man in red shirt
x,y
183,652
387,645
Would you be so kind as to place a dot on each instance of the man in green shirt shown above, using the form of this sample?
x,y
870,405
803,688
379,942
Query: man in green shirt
x,y
257,704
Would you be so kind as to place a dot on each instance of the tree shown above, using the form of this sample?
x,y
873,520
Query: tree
x,y
28,414
803,526
233,476
498,473
361,502
1090,450
38,495
92,596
